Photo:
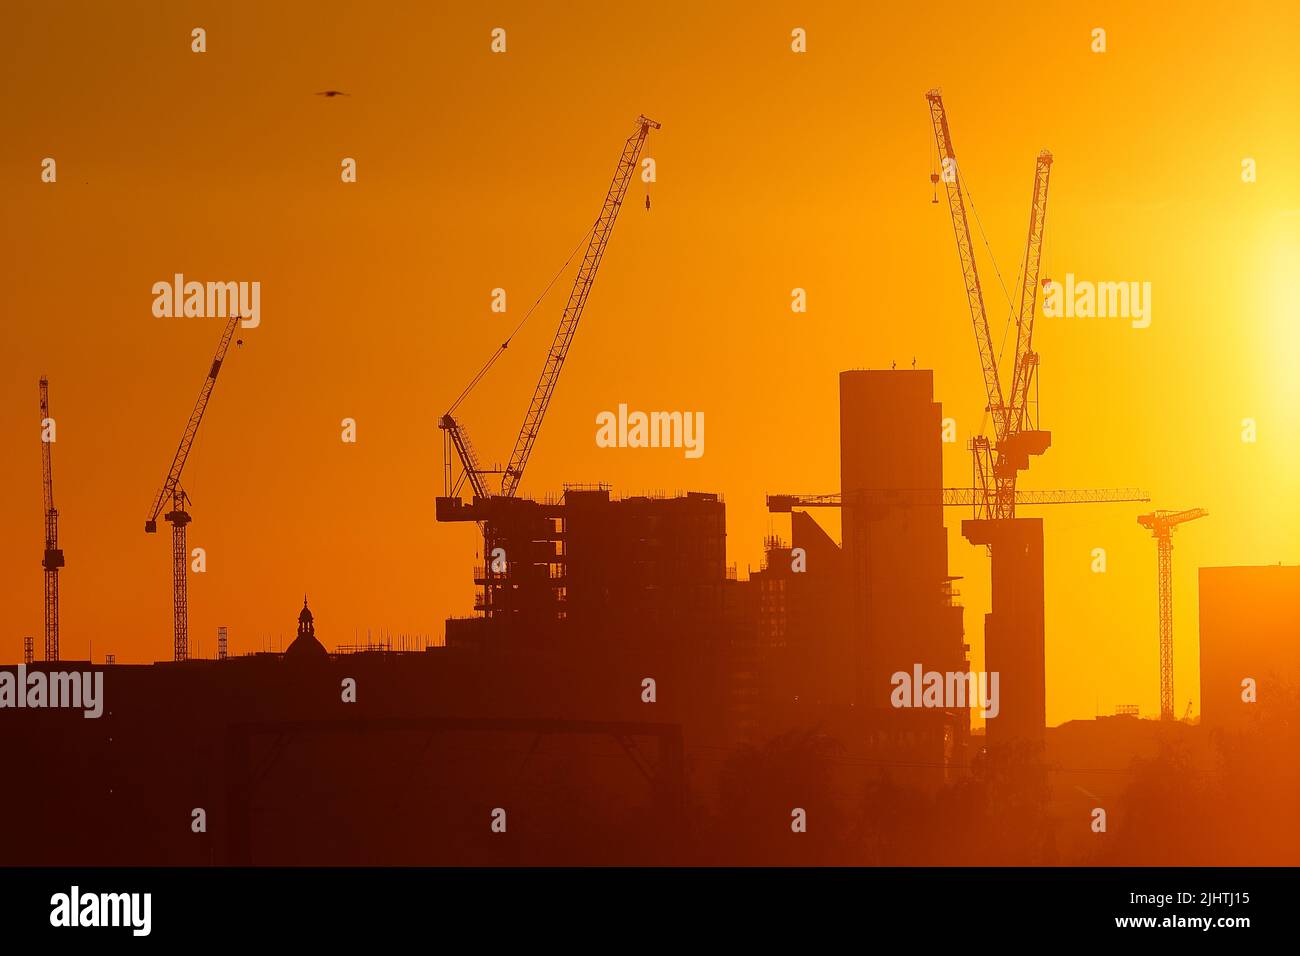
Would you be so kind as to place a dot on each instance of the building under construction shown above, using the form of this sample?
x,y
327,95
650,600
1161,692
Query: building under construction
x,y
608,591
588,564
642,583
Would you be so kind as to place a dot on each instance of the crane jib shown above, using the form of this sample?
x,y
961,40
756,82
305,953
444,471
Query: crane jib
x,y
578,295
172,482
455,437
966,257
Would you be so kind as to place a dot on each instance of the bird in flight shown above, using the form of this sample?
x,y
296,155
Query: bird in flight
x,y
331,93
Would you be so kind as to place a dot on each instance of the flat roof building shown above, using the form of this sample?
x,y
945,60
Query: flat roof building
x,y
1250,640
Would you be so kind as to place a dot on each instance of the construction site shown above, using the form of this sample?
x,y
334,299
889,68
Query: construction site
x,y
625,695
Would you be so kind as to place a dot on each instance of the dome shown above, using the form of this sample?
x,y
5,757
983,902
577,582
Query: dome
x,y
305,645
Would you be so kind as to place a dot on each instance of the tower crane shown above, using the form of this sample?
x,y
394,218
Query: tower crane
x,y
53,559
1161,524
172,492
1015,439
455,438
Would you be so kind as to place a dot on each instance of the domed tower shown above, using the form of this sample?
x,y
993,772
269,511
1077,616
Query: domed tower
x,y
305,646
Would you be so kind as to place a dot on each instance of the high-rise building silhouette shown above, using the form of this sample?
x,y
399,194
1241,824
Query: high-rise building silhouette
x,y
1014,630
902,611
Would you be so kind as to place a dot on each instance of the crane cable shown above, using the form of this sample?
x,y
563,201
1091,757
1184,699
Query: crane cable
x,y
998,272
504,345
992,258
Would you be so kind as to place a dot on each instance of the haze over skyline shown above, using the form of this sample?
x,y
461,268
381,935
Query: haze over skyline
x,y
478,171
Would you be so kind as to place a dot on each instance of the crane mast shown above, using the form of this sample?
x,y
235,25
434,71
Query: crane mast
x,y
53,558
173,492
1161,524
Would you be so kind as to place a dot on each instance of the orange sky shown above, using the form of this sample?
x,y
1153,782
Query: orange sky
x,y
775,170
